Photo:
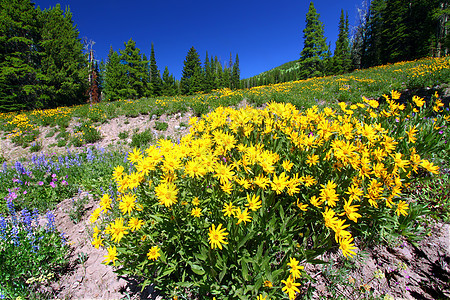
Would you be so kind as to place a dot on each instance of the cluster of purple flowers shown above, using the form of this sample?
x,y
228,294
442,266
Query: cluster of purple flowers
x,y
25,220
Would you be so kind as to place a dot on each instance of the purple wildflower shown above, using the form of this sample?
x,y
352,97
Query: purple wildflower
x,y
51,221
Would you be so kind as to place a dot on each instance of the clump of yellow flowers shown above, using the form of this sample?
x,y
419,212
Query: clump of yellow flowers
x,y
228,208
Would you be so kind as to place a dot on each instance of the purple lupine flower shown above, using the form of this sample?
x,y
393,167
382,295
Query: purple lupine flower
x,y
10,206
26,218
89,154
15,236
35,216
19,167
3,225
63,238
51,221
34,246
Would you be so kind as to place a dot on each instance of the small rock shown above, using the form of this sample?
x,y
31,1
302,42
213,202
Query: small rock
x,y
404,254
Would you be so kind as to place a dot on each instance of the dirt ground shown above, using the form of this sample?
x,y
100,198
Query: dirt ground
x,y
401,271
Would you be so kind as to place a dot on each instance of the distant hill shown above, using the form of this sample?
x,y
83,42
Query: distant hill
x,y
286,72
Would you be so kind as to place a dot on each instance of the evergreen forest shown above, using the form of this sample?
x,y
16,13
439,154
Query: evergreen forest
x,y
45,64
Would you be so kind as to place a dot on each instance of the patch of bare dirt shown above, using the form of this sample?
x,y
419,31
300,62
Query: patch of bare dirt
x,y
87,277
400,271
177,127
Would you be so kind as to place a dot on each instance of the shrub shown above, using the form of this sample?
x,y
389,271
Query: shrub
x,y
123,135
86,133
61,143
140,139
161,126
236,207
24,138
78,209
35,147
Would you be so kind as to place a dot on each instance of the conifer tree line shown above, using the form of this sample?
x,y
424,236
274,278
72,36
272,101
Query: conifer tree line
x,y
128,74
42,63
388,31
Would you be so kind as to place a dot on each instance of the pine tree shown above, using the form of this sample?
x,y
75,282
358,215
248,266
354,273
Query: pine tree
x,y
341,58
168,86
315,46
359,37
64,66
208,71
395,32
373,52
134,70
441,16
114,80
399,30
101,77
191,80
155,77
215,72
236,74
423,27
19,55
146,79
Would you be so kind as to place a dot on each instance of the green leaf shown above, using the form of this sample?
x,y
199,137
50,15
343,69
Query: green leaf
x,y
185,284
168,271
259,251
197,269
223,273
201,256
244,269
245,239
281,213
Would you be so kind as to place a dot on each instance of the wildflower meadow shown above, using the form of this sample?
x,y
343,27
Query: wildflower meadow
x,y
253,193
240,203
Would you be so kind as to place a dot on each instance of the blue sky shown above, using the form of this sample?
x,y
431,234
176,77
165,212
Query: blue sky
x,y
265,34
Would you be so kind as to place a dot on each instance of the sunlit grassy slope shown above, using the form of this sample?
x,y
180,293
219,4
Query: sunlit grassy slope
x,y
371,83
